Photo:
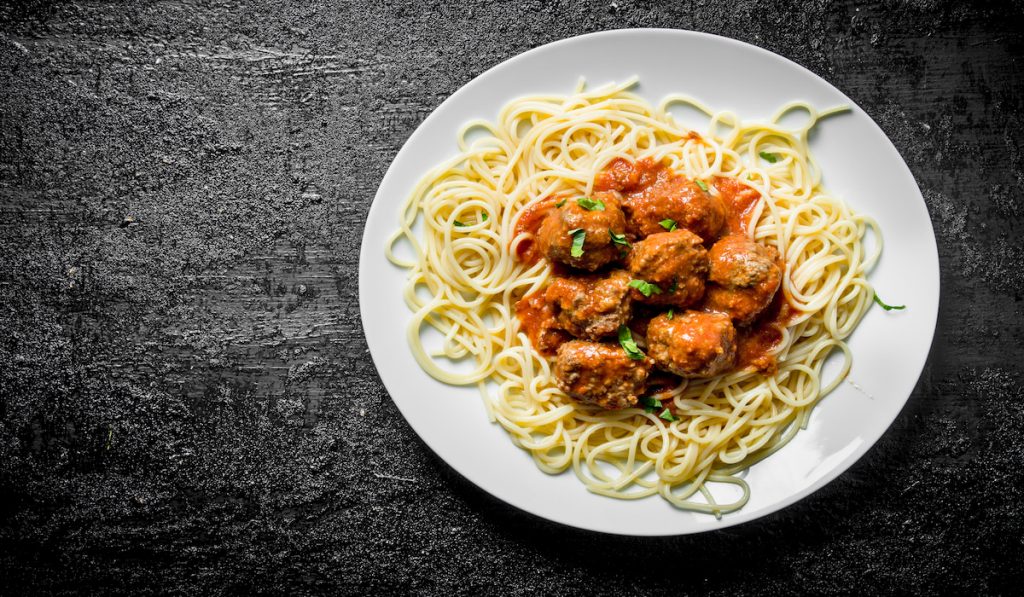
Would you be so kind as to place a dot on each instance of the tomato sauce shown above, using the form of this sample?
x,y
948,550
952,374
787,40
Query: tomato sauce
x,y
529,222
740,201
537,318
753,343
625,176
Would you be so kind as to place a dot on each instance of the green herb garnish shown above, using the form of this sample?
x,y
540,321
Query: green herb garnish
x,y
645,288
703,185
675,286
560,203
578,235
888,307
590,204
459,224
667,415
629,344
483,217
670,314
650,403
771,158
619,239
668,224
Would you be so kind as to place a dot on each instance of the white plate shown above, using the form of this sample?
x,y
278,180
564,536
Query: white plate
x,y
860,165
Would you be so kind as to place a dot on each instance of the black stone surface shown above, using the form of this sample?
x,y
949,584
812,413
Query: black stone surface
x,y
186,400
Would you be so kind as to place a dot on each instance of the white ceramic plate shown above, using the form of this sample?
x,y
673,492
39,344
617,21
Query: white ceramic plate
x,y
860,165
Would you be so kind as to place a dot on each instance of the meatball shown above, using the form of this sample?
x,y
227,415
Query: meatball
x,y
590,306
745,277
692,344
600,374
563,224
675,262
739,262
676,198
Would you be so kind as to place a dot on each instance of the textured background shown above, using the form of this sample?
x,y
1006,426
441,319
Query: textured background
x,y
186,400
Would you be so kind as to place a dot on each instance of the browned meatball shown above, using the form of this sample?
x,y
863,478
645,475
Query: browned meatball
x,y
555,235
601,374
591,306
692,344
675,262
746,276
676,198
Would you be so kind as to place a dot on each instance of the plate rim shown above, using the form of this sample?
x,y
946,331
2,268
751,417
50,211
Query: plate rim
x,y
728,520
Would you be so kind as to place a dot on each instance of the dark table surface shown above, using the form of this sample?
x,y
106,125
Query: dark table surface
x,y
186,399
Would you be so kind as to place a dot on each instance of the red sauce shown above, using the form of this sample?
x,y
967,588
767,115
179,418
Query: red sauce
x,y
537,318
754,342
624,176
740,201
529,222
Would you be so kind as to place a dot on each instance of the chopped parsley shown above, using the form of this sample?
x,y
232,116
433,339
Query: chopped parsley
x,y
619,239
590,204
771,158
560,203
483,217
629,344
675,286
578,235
888,307
667,415
703,185
650,403
668,224
459,224
670,314
645,288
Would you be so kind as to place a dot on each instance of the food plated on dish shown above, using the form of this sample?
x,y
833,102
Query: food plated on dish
x,y
649,305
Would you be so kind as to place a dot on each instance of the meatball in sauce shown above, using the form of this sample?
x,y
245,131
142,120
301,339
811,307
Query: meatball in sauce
x,y
745,276
675,262
591,306
565,223
600,374
692,344
652,193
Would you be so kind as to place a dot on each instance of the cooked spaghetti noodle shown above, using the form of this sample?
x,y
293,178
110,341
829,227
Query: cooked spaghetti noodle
x,y
465,280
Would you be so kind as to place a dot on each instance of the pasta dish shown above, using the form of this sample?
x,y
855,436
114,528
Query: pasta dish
x,y
648,305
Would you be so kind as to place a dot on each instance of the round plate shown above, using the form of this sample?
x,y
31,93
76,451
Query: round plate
x,y
860,165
